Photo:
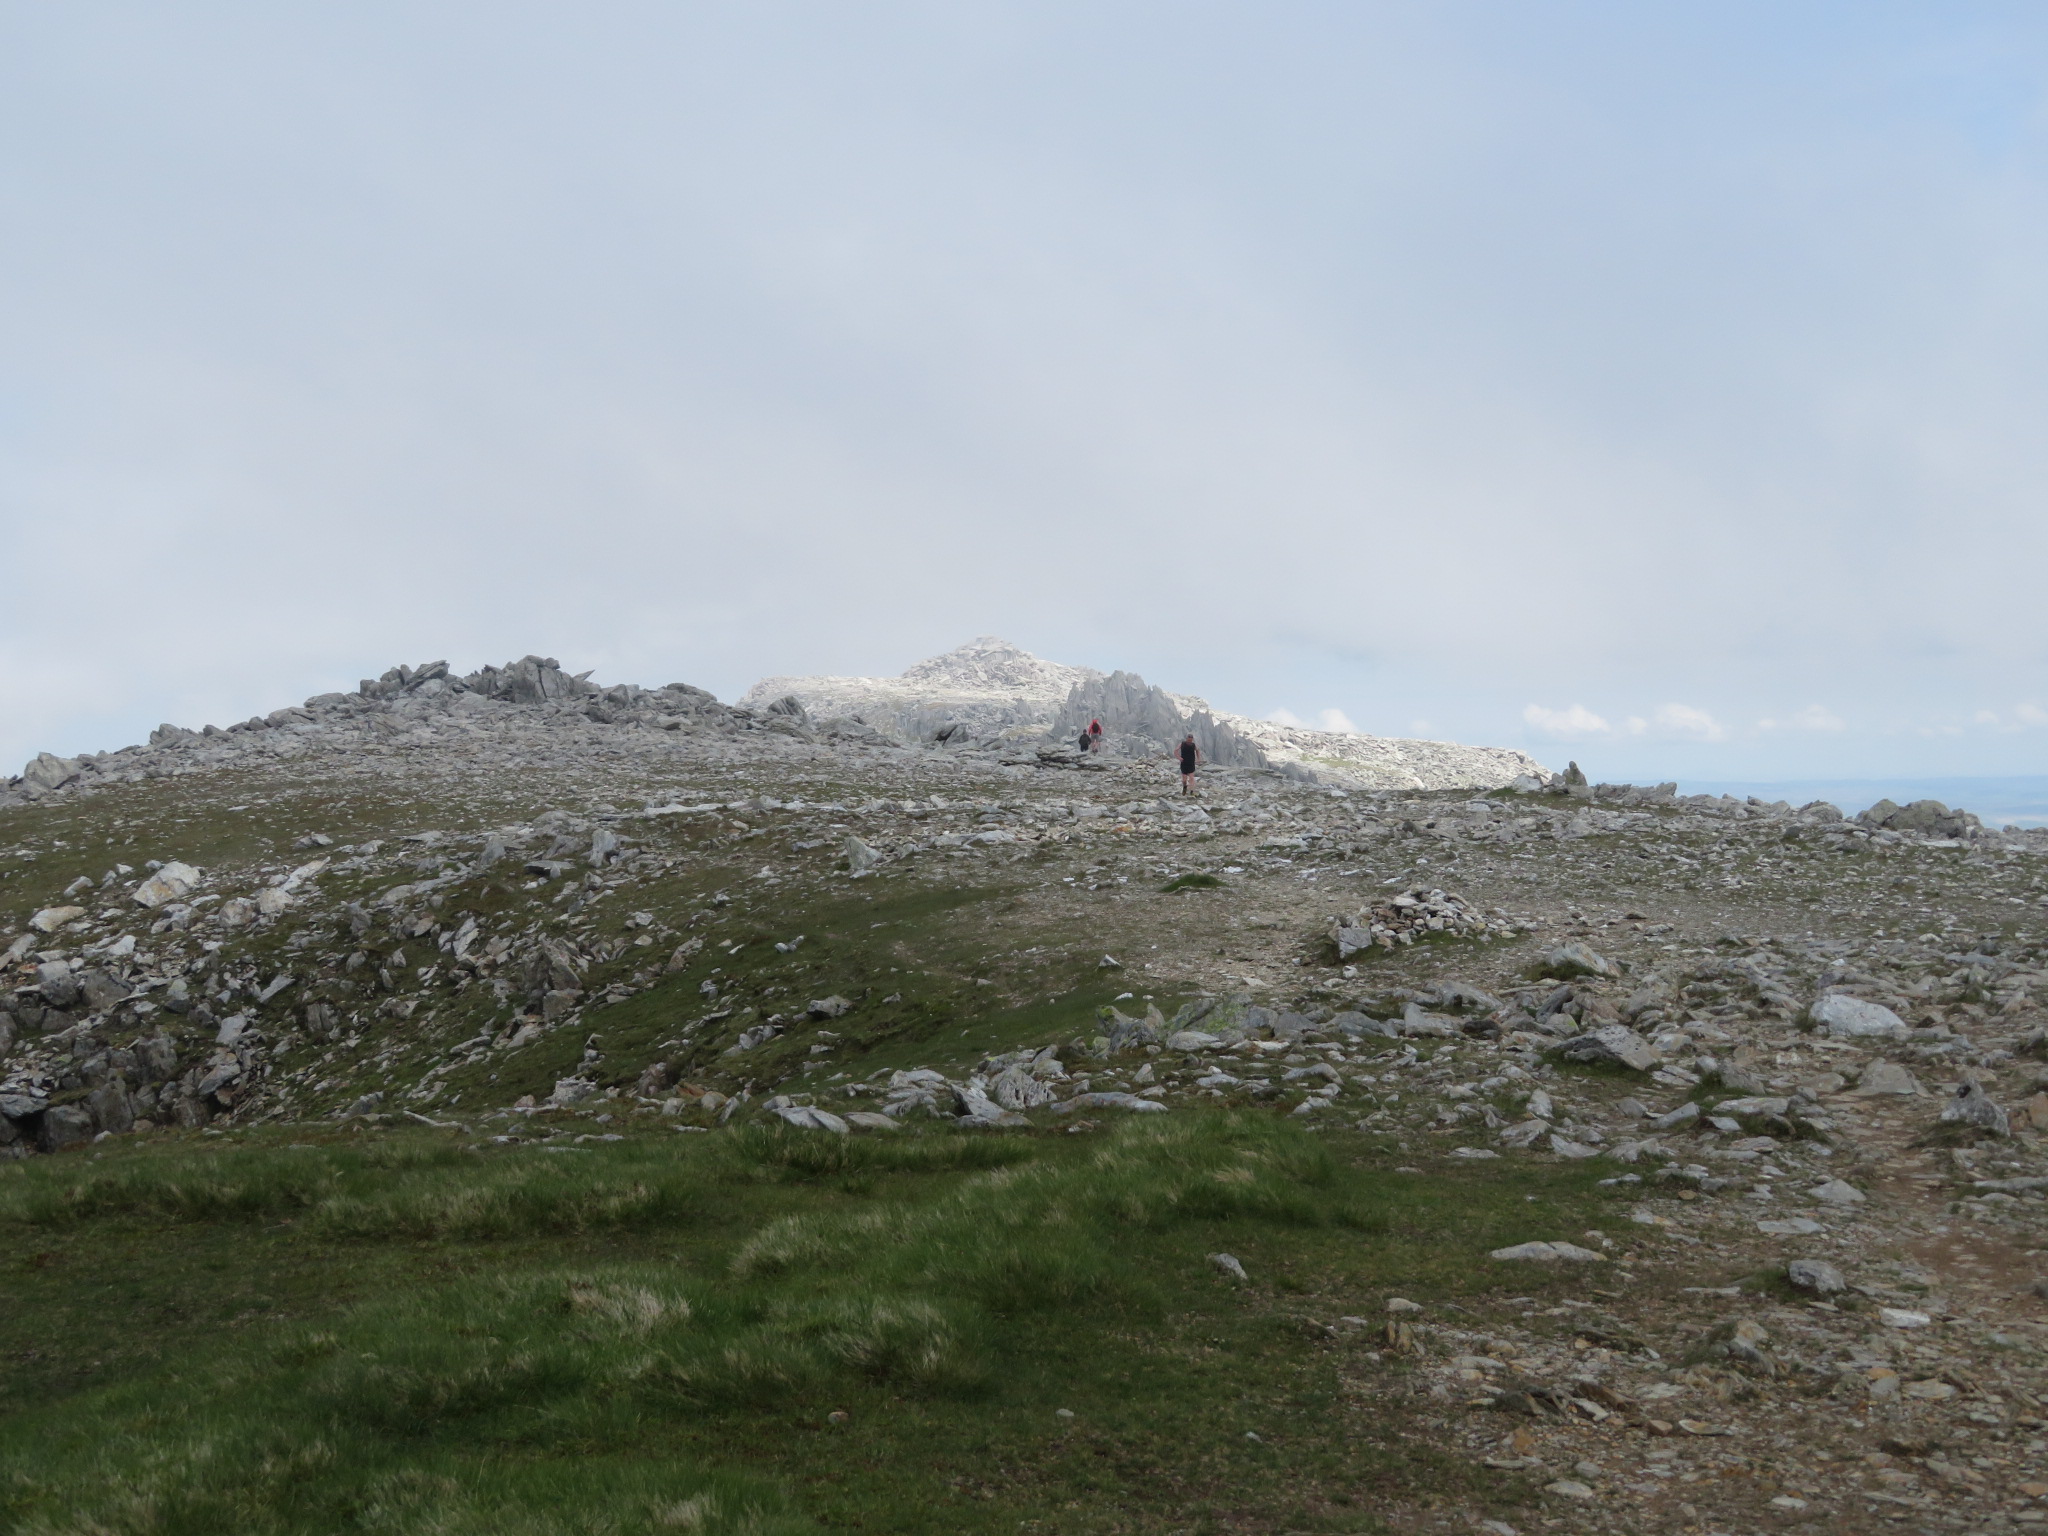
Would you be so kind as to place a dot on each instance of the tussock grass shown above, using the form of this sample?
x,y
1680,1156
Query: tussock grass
x,y
653,1341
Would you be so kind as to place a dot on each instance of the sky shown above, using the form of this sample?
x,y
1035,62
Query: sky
x,y
1662,387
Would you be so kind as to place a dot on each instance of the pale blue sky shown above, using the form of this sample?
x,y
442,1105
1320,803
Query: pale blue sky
x,y
1664,386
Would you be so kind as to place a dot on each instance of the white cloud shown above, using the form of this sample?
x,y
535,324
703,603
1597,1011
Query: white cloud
x,y
2031,714
1421,728
1684,721
1575,724
1987,717
1336,720
1283,717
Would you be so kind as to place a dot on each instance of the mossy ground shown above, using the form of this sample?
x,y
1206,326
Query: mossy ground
x,y
374,1331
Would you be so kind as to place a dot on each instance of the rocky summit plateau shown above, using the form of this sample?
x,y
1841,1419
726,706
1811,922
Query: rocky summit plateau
x,y
504,1102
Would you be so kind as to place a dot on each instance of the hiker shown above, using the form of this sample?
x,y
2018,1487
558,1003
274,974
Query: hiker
x,y
1094,735
1190,754
1087,741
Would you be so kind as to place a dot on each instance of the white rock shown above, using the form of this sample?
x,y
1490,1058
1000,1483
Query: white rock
x,y
806,1118
1901,1317
50,919
173,882
1548,1253
1838,1192
1227,1265
1852,1018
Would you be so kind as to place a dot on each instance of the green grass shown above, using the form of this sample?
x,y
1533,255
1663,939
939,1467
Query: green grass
x,y
405,1334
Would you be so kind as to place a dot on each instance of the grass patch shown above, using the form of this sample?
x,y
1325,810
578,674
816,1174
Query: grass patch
x,y
1193,882
653,1335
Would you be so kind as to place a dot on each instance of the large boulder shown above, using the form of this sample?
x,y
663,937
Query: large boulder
x,y
1930,818
1854,1018
66,1125
1612,1045
1972,1107
1576,959
46,772
173,882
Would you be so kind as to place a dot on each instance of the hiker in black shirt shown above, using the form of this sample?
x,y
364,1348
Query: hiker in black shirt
x,y
1190,754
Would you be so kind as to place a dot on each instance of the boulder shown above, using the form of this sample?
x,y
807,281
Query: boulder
x,y
110,1106
1549,1253
1417,1023
58,983
1576,959
806,1118
1885,1077
1837,1192
1016,1089
1355,1024
51,919
67,1125
173,882
1854,1018
1816,1276
46,772
102,990
1973,1107
1612,1044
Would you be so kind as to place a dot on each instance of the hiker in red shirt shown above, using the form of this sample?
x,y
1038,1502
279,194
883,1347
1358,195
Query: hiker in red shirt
x,y
1095,735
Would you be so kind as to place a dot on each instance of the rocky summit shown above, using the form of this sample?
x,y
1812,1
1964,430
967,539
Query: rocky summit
x,y
505,1102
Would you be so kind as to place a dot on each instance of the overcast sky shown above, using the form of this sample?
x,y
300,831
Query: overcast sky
x,y
1664,386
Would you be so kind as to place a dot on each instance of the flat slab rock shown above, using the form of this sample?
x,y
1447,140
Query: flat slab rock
x,y
1549,1253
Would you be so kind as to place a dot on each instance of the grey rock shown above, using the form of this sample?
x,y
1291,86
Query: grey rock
x,y
1016,1089
1676,1119
1838,1192
110,1107
1357,1024
52,919
1612,1044
46,772
173,882
1548,1253
860,858
1128,1101
60,986
1417,1023
806,1118
103,990
1764,1107
833,1007
1815,1275
1228,1266
1883,1078
66,1125
1973,1107
1577,959
1852,1018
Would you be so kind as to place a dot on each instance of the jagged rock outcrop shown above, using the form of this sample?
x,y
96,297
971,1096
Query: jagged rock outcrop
x,y
1140,719
991,688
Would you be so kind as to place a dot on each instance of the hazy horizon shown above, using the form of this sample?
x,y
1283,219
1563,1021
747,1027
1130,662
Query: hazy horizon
x,y
1658,388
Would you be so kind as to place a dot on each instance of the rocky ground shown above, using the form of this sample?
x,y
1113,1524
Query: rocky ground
x,y
1806,1053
